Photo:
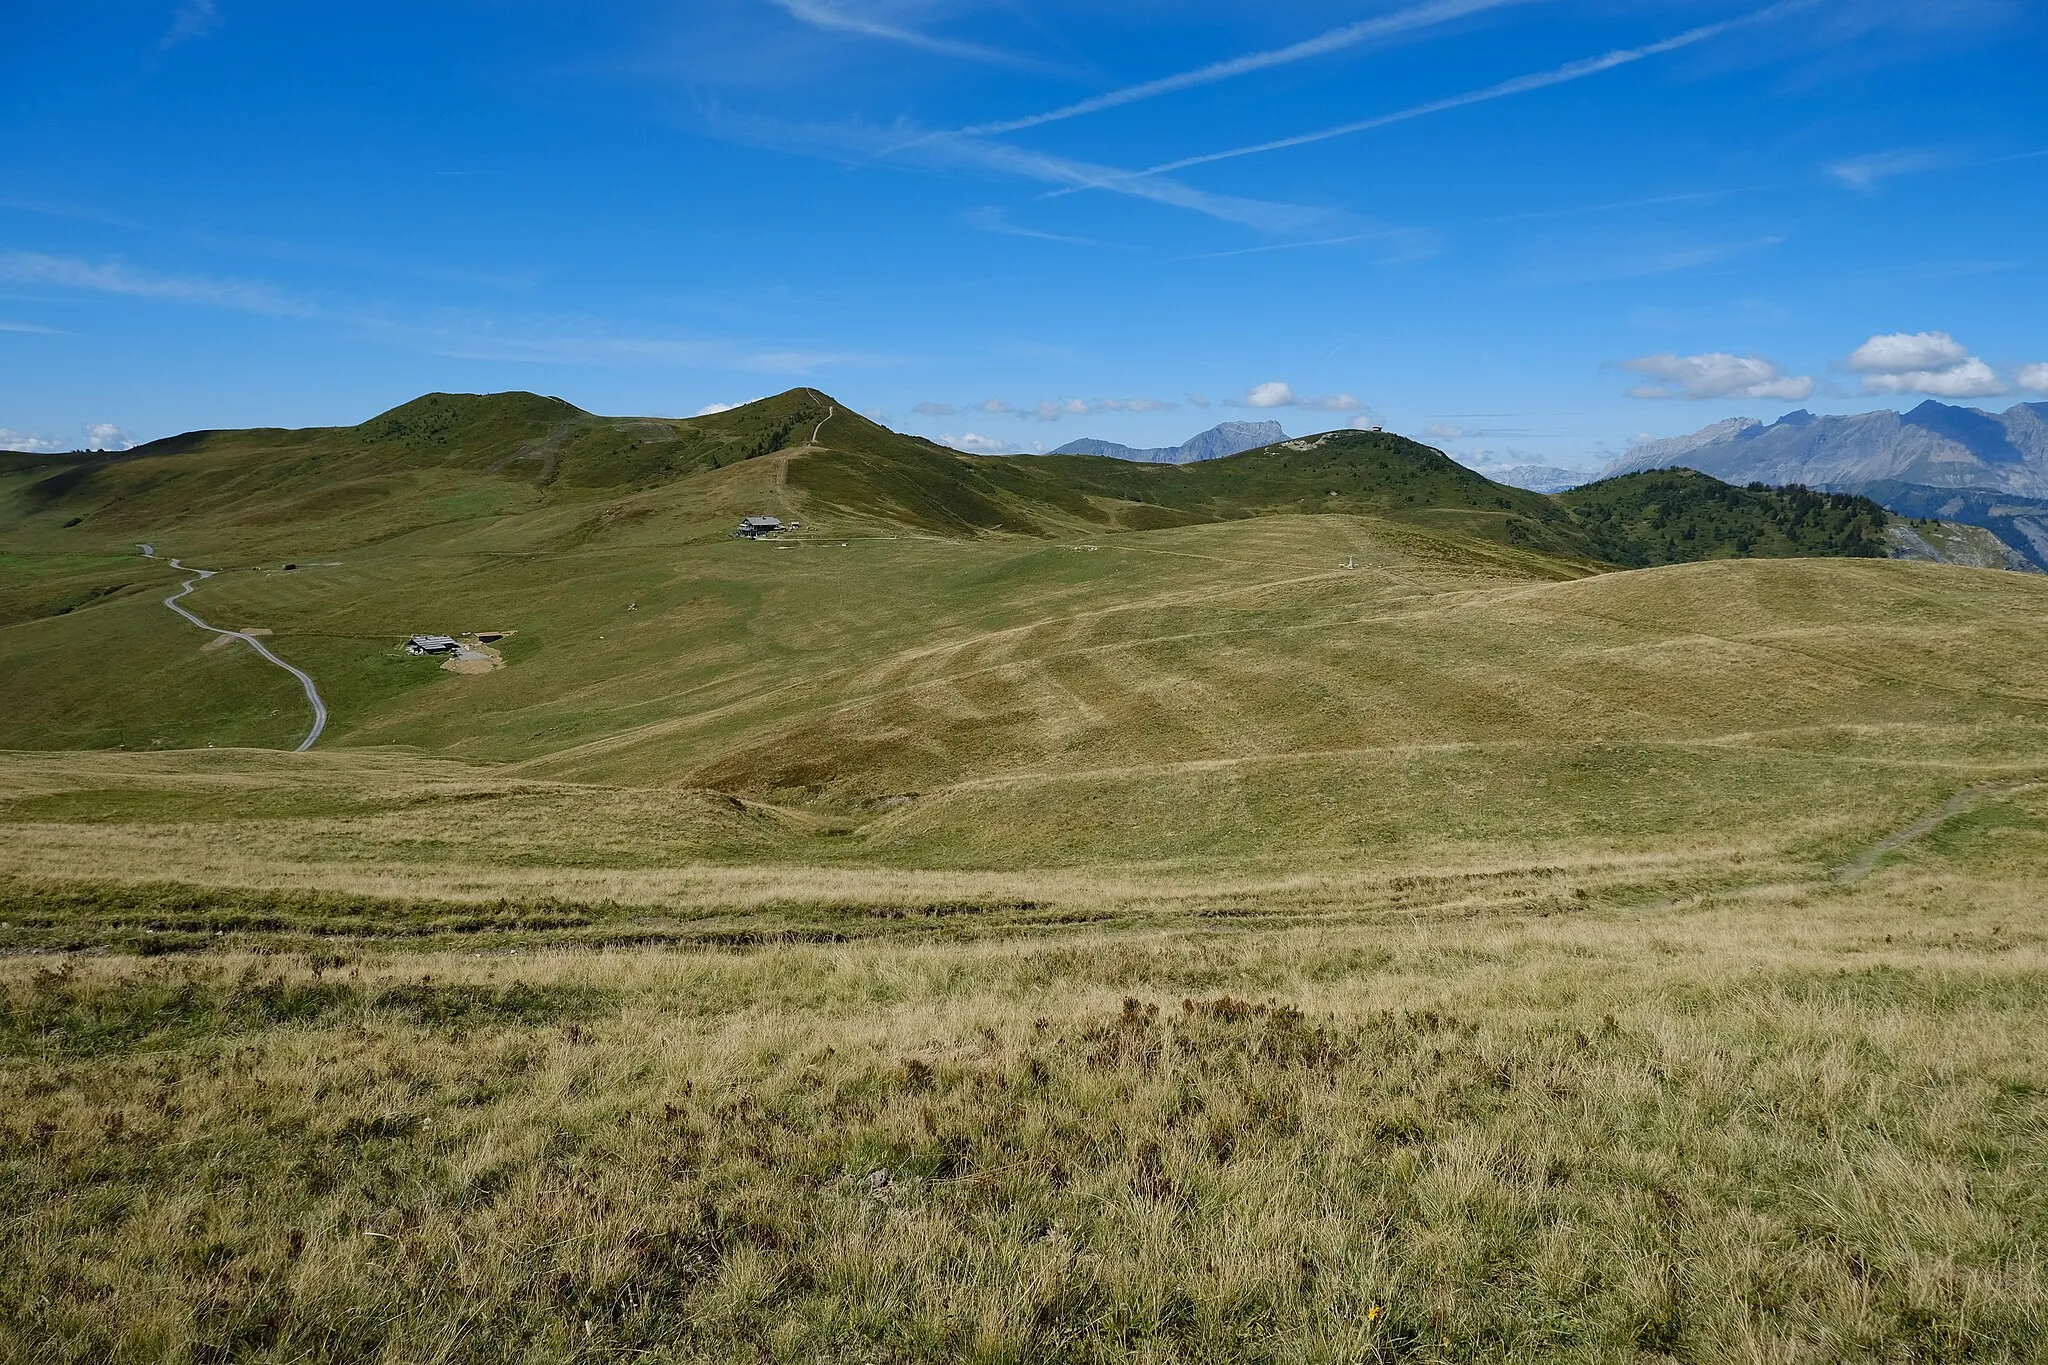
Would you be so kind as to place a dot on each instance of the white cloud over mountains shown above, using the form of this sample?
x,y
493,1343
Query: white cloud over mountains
x,y
1933,363
1716,374
974,443
1277,394
1892,364
25,443
98,436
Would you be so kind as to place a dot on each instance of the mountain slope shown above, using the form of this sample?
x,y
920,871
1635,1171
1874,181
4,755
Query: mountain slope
x,y
1540,478
1679,515
1959,464
1935,445
1225,438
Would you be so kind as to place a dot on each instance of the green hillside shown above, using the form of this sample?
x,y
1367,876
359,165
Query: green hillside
x,y
1673,516
961,661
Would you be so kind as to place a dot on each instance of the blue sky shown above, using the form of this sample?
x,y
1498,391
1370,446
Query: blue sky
x,y
1524,231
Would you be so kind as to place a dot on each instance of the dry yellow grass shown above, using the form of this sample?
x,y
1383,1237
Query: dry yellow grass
x,y
1768,1127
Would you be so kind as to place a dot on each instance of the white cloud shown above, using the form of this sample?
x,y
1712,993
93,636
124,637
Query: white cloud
x,y
994,405
935,409
1714,375
1446,431
24,443
974,443
1366,421
1933,363
2034,377
1903,352
709,409
1971,379
107,436
1866,172
1196,400
1332,402
6,326
194,19
1276,394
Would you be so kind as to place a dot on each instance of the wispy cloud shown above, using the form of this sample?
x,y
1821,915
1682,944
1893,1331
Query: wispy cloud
x,y
1519,85
194,19
6,326
1867,172
1406,244
1336,40
906,145
994,220
70,272
574,342
1585,265
540,341
1621,205
1872,169
1160,189
842,19
1049,409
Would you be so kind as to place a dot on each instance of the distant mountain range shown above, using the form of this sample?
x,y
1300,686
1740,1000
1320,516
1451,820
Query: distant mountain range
x,y
1539,478
1226,438
1957,464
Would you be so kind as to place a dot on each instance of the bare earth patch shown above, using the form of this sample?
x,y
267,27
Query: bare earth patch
x,y
223,641
472,657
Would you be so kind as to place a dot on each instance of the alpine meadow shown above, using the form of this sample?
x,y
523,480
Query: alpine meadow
x,y
949,682
1309,905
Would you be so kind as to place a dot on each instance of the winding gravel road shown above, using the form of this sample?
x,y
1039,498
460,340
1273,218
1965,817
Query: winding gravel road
x,y
305,679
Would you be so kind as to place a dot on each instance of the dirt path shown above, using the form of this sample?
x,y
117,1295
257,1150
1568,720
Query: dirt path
x,y
1865,862
305,680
